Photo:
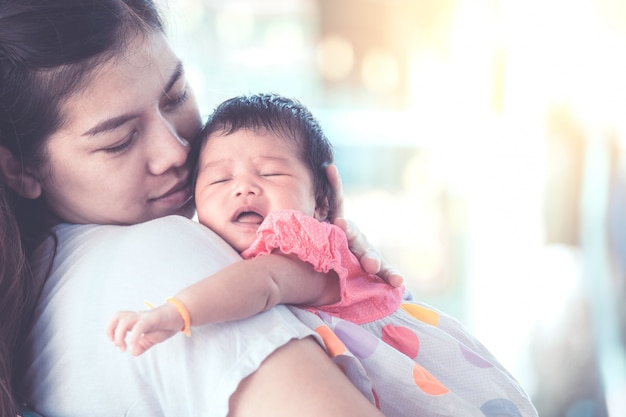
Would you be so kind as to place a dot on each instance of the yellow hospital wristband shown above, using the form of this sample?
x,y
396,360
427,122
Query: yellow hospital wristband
x,y
184,313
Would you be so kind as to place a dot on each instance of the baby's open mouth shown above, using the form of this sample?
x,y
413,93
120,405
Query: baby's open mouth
x,y
249,217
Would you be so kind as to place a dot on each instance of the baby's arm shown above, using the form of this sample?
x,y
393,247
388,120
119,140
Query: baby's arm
x,y
238,291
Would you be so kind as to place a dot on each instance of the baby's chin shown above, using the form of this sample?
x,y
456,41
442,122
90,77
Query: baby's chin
x,y
241,243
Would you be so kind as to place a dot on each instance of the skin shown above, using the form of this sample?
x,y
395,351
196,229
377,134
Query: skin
x,y
125,140
246,175
136,154
321,378
243,176
260,284
370,259
121,158
230,154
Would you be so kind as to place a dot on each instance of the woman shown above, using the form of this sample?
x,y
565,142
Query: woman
x,y
95,123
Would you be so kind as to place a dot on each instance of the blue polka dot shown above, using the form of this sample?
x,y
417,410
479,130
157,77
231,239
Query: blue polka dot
x,y
361,343
473,358
500,407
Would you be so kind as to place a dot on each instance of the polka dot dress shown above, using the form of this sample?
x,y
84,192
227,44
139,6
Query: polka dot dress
x,y
406,357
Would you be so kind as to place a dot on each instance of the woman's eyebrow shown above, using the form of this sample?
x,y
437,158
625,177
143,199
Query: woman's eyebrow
x,y
178,72
115,122
109,124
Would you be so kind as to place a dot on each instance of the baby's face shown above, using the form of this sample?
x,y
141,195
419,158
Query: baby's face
x,y
245,175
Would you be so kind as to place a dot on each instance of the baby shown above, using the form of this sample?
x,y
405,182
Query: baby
x,y
261,185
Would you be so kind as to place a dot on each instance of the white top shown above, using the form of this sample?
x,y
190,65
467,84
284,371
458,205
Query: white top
x,y
74,370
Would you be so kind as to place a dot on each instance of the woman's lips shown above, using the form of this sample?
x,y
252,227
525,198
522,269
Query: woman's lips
x,y
177,197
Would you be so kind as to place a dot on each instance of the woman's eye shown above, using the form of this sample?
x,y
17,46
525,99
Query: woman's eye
x,y
273,174
176,101
121,147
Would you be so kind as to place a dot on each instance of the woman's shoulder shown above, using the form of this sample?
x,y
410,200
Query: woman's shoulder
x,y
172,240
160,249
163,224
162,231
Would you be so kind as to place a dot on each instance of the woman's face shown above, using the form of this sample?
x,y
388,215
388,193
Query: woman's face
x,y
121,155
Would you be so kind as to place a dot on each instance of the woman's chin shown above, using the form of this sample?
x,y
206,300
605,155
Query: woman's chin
x,y
187,210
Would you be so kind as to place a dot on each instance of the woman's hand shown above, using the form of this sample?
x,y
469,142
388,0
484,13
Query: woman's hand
x,y
371,261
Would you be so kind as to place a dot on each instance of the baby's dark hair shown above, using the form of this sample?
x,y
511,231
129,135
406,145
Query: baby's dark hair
x,y
286,118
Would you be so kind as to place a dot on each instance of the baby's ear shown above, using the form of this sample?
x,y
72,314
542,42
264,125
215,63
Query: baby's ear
x,y
322,211
16,176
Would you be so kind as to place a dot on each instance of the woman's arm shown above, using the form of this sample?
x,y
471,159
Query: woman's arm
x,y
300,380
238,291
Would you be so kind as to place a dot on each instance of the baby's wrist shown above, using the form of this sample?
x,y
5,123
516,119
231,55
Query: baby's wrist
x,y
178,315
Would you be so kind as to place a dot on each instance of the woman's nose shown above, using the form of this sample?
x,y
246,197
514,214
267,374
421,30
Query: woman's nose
x,y
168,149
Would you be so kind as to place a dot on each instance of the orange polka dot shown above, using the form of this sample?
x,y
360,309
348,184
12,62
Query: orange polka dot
x,y
423,314
334,346
426,382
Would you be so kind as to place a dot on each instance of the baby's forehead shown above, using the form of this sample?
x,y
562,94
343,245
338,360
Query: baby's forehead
x,y
257,133
244,142
254,129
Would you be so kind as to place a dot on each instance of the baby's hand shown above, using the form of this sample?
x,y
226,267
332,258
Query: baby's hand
x,y
145,328
122,322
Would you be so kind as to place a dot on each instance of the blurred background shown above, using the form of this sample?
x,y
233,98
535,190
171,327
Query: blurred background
x,y
481,147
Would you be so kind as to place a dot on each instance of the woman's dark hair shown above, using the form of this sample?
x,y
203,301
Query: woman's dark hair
x,y
15,296
49,49
288,119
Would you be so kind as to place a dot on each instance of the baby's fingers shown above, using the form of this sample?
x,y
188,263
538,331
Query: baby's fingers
x,y
114,329
136,336
125,323
110,331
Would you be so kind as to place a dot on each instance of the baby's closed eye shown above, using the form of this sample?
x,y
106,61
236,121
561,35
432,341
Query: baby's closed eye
x,y
219,180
